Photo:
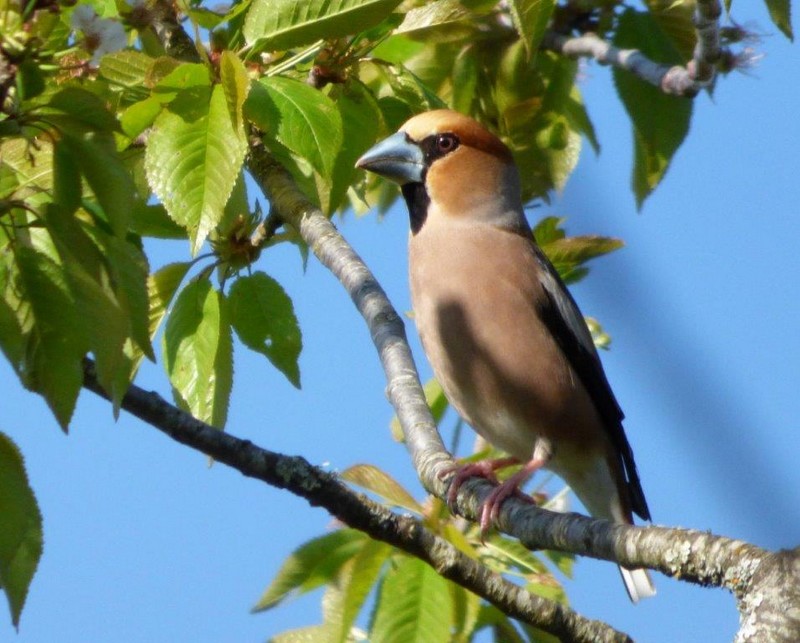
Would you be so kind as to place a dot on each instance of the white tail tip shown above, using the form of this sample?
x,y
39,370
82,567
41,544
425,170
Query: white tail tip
x,y
637,583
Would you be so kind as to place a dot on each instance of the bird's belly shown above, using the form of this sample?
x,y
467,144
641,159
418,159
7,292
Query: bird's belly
x,y
500,367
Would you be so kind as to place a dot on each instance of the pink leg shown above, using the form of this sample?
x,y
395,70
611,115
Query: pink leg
x,y
482,469
491,506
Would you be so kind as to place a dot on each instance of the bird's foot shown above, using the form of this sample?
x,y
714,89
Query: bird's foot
x,y
490,509
483,469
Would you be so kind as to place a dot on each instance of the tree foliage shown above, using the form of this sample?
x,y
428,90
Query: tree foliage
x,y
122,123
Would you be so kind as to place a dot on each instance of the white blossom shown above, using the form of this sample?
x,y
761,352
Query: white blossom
x,y
101,36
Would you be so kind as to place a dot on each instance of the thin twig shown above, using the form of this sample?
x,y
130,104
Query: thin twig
x,y
676,80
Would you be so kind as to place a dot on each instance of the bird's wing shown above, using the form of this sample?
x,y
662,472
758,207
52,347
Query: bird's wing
x,y
561,315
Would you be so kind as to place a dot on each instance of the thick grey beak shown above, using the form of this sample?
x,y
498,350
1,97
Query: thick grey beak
x,y
397,158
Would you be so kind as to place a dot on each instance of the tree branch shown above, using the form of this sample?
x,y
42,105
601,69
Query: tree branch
x,y
693,556
767,585
677,80
324,489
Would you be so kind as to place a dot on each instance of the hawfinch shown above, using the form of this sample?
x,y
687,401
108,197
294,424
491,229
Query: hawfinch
x,y
504,336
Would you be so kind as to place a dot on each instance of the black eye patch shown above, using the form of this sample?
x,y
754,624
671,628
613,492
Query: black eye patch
x,y
436,146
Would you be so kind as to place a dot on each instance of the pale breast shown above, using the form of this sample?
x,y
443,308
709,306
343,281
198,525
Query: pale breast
x,y
475,290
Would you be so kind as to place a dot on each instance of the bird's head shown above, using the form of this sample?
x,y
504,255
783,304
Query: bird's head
x,y
449,165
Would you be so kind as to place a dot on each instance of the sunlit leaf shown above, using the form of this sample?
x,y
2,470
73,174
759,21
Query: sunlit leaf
x,y
660,121
511,554
198,353
432,14
414,605
161,288
193,157
298,117
282,24
139,116
530,20
313,564
381,483
353,584
128,68
236,84
21,535
263,317
466,608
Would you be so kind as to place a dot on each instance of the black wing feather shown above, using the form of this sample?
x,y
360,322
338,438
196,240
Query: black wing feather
x,y
563,317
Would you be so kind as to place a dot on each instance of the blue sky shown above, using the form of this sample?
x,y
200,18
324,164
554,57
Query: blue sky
x,y
145,542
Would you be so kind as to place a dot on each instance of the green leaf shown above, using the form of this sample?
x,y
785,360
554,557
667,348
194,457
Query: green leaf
x,y
107,176
12,339
411,90
781,13
180,81
414,605
161,288
283,24
311,634
84,108
676,20
198,353
600,337
361,121
192,160
99,309
569,254
432,14
660,122
564,561
208,19
535,101
127,68
128,269
30,80
466,608
502,626
353,584
236,83
465,80
578,117
139,116
300,118
153,221
437,403
504,554
535,635
264,319
67,189
381,483
21,535
530,19
57,342
548,230
313,564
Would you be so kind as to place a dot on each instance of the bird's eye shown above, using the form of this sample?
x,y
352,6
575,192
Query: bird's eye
x,y
446,143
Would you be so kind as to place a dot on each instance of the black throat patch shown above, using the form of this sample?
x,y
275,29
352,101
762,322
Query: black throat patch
x,y
417,200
